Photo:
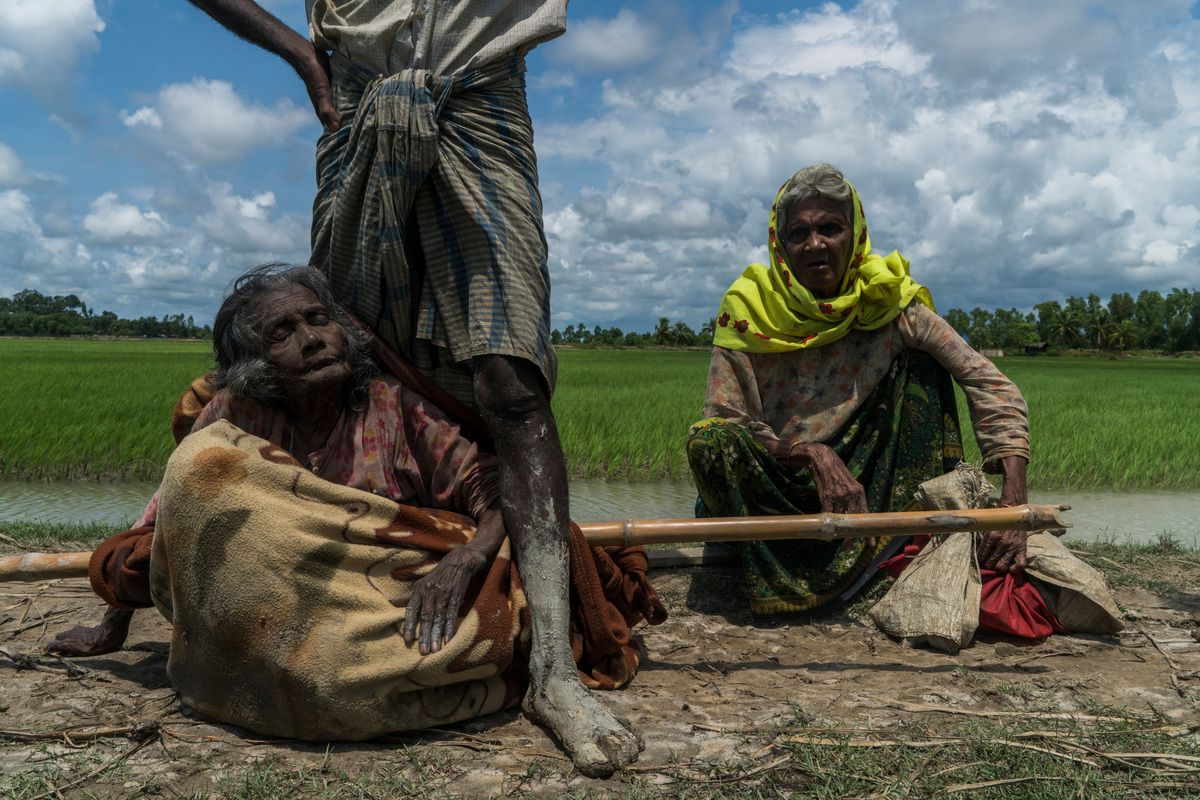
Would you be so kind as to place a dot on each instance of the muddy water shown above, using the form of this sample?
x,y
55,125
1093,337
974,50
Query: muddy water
x,y
1096,515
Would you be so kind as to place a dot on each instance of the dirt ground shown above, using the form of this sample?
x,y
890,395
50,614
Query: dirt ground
x,y
706,669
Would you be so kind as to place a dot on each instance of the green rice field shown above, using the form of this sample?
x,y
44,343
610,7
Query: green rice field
x,y
102,408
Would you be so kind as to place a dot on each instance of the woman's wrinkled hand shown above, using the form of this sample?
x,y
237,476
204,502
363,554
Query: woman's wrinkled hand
x,y
107,637
1004,551
435,600
838,490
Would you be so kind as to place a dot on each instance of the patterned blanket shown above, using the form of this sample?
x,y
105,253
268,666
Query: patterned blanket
x,y
285,596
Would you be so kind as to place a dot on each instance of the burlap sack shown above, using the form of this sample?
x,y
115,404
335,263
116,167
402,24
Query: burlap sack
x,y
1085,604
936,600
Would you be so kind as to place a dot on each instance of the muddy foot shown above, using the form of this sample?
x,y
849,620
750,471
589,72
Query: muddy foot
x,y
597,741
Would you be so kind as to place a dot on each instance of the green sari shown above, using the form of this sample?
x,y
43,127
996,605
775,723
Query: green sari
x,y
905,433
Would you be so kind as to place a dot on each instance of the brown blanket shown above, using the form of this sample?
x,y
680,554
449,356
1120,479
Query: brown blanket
x,y
279,588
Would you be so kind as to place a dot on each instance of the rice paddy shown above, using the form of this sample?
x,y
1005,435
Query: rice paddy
x,y
74,409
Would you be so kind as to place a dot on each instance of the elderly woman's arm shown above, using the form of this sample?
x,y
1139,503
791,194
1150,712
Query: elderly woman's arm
x,y
457,476
999,418
733,395
436,598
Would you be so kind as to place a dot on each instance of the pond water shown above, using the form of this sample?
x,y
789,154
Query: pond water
x,y
1120,517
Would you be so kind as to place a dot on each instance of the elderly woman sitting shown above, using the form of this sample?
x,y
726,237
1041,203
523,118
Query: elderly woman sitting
x,y
830,389
328,545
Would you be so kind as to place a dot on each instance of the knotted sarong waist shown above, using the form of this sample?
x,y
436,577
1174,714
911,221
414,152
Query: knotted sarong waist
x,y
453,157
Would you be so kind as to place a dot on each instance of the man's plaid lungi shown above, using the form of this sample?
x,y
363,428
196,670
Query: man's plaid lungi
x,y
454,158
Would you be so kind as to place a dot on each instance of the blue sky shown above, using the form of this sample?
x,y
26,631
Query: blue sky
x,y
1014,151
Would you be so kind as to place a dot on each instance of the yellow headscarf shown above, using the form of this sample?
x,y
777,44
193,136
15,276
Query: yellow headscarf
x,y
768,311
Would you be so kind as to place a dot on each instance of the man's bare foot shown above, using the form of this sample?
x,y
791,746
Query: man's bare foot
x,y
598,742
107,637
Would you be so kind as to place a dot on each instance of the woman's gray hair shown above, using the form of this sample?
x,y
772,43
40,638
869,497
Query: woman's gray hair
x,y
241,350
819,180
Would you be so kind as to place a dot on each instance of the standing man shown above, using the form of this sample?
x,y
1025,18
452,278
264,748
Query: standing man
x,y
428,223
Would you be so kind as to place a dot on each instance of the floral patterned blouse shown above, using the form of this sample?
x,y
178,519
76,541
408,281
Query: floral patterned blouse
x,y
808,395
400,446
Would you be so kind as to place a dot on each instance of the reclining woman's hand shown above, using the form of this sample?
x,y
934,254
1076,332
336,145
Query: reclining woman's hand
x,y
107,637
1004,551
435,599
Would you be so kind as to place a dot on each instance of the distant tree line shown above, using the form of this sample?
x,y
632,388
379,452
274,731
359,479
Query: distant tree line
x,y
31,313
1168,324
666,334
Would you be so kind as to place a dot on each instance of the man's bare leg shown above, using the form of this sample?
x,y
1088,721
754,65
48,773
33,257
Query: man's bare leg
x,y
533,490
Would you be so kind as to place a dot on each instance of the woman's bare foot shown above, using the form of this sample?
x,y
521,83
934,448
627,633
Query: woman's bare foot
x,y
598,742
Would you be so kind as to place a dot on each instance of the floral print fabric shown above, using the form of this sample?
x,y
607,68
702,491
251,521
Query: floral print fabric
x,y
904,433
766,310
808,395
399,446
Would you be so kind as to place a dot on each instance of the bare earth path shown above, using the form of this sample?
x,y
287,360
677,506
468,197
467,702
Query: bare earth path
x,y
706,672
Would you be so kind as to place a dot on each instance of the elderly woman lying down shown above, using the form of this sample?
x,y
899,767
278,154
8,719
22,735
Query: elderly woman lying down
x,y
831,388
328,545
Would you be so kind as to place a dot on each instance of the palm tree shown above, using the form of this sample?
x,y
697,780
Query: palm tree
x,y
708,331
663,334
1123,336
1065,326
683,333
1100,328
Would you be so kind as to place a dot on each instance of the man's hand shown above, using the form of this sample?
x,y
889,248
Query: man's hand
x,y
435,599
107,637
248,20
1004,551
316,74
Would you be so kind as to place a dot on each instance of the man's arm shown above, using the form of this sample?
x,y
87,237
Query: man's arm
x,y
249,21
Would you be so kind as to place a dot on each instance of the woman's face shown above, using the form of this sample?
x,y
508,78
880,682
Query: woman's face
x,y
818,240
303,343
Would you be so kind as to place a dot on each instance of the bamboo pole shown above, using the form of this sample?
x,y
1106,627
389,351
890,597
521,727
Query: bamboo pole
x,y
824,527
44,566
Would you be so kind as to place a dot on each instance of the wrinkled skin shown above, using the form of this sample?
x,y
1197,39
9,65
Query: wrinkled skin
x,y
533,487
433,605
107,637
819,241
840,493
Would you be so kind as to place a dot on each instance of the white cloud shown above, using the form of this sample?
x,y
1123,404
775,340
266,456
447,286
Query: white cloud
x,y
42,42
113,222
251,225
1012,162
210,124
604,45
11,169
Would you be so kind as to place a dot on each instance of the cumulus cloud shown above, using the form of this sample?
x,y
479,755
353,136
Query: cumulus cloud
x,y
138,260
251,225
602,45
41,43
113,222
210,124
12,171
33,259
1013,163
